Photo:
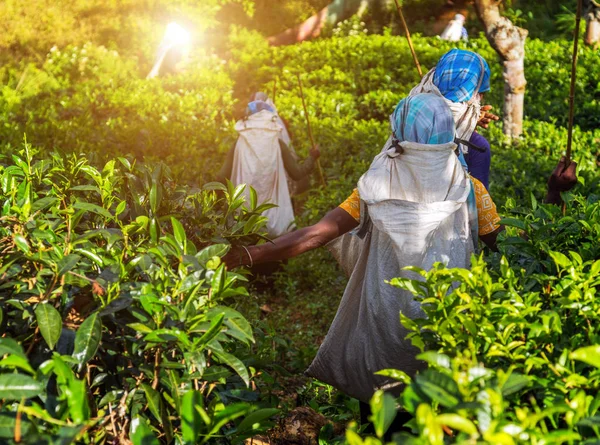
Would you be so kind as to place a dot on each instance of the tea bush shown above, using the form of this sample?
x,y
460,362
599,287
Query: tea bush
x,y
93,100
116,309
90,100
371,67
511,343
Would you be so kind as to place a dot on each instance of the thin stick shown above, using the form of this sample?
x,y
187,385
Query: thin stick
x,y
274,89
573,80
310,134
410,44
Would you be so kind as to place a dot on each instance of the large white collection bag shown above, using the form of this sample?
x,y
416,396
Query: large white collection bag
x,y
413,213
258,162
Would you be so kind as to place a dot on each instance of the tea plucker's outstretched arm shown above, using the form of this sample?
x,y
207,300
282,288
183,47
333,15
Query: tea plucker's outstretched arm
x,y
336,223
298,170
563,179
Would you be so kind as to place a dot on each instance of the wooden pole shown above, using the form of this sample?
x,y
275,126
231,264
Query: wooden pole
x,y
572,90
573,81
310,134
274,89
410,44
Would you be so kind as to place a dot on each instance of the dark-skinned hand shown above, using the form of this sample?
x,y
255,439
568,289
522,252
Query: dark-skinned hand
x,y
236,257
564,177
486,117
315,153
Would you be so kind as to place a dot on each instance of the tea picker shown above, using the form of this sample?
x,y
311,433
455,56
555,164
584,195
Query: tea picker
x,y
455,30
468,144
262,158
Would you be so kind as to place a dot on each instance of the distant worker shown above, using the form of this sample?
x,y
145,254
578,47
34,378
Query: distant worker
x,y
456,31
263,159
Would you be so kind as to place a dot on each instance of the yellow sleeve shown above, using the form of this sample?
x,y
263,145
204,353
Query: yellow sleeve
x,y
352,205
487,214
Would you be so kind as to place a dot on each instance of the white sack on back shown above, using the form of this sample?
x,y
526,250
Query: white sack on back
x,y
413,213
258,162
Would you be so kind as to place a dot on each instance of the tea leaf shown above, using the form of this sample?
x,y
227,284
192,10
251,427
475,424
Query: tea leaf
x,y
19,386
154,402
396,374
589,355
87,339
383,409
89,207
49,322
140,433
10,346
458,423
21,243
439,387
235,363
15,361
191,419
515,383
253,421
67,263
179,233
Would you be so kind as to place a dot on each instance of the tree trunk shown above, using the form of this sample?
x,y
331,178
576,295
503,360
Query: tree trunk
x,y
592,20
509,42
514,96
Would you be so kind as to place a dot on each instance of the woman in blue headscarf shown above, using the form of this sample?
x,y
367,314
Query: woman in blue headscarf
x,y
462,78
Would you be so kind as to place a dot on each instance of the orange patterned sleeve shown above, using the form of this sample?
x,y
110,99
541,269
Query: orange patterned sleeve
x,y
487,214
352,205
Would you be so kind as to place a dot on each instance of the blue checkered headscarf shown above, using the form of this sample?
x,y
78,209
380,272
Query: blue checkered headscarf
x,y
459,73
424,119
257,106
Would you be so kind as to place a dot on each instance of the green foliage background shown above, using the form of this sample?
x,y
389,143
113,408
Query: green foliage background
x,y
109,202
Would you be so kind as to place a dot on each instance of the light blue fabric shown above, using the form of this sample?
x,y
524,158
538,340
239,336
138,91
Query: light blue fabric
x,y
459,73
258,106
424,119
472,206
